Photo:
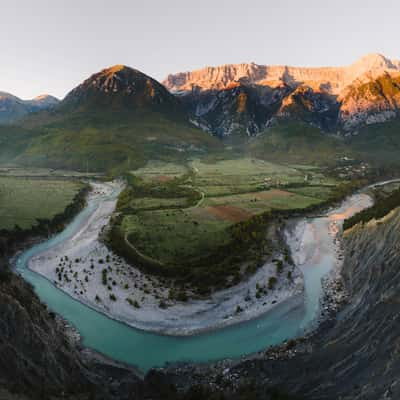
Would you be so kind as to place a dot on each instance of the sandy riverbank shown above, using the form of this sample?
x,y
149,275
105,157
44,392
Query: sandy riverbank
x,y
77,267
317,241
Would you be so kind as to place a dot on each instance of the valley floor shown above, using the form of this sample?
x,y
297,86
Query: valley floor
x,y
84,267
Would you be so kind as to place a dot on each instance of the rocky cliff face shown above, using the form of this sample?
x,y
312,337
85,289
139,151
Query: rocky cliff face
x,y
34,351
366,103
334,99
237,109
314,107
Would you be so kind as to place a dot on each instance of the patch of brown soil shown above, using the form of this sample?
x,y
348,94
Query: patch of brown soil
x,y
163,178
229,213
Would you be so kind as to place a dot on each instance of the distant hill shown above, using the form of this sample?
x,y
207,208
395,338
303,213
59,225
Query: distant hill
x,y
12,108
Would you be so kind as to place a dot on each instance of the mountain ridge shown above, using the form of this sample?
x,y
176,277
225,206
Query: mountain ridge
x,y
326,97
220,77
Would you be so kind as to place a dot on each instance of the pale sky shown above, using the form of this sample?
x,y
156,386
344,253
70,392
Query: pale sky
x,y
50,46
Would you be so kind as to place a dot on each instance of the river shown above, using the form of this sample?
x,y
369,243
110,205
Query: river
x,y
314,249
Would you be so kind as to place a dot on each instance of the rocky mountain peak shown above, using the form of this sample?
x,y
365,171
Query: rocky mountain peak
x,y
120,87
114,79
374,61
44,101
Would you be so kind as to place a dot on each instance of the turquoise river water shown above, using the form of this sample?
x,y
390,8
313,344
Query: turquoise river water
x,y
146,350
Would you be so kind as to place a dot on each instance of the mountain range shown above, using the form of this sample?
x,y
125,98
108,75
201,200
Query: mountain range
x,y
249,97
120,117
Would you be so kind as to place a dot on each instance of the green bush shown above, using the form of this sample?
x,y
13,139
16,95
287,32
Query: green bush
x,y
272,282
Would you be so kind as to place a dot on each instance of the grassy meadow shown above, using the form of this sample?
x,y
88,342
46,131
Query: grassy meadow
x,y
25,200
183,214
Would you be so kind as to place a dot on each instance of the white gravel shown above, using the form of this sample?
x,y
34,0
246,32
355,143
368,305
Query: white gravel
x,y
87,257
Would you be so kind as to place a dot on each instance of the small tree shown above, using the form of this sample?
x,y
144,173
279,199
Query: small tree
x,y
272,282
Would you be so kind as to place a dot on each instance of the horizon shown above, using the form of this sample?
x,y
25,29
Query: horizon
x,y
159,39
192,70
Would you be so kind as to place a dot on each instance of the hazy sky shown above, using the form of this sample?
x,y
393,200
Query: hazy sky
x,y
49,46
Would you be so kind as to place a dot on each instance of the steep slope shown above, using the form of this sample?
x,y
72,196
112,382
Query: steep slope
x,y
366,103
34,351
116,119
237,109
13,108
314,107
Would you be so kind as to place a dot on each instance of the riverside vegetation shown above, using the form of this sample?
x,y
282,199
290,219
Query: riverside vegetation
x,y
384,203
208,224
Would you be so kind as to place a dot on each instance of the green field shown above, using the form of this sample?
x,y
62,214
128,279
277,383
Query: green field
x,y
173,235
242,176
262,201
24,200
179,214
158,170
318,192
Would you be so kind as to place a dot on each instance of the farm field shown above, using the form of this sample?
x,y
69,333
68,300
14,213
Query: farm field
x,y
267,200
241,176
44,172
24,200
175,235
317,192
161,171
166,225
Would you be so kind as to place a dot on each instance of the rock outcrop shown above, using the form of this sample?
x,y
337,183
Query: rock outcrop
x,y
366,103
35,354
